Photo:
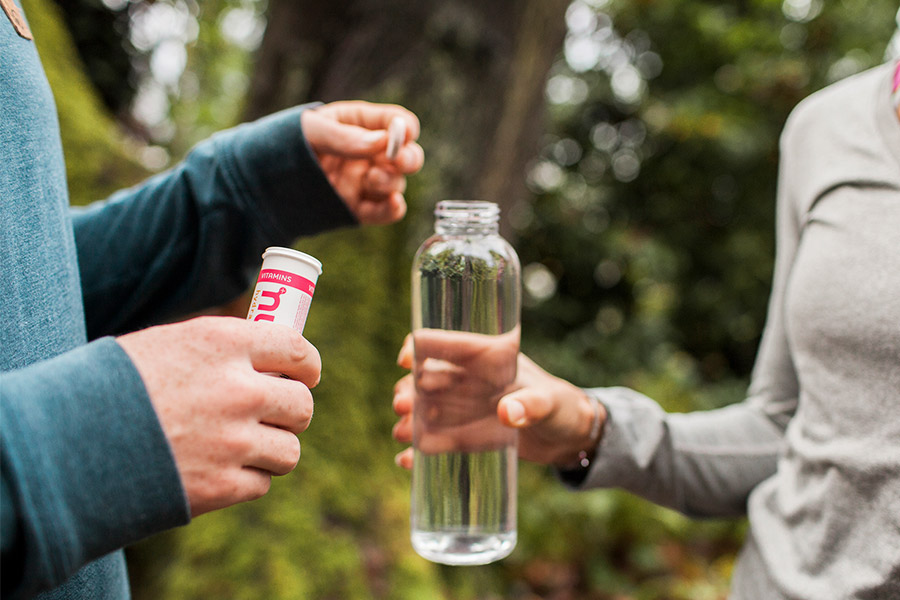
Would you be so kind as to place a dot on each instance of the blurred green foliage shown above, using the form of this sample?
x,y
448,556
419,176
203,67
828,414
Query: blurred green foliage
x,y
654,211
647,249
99,157
108,57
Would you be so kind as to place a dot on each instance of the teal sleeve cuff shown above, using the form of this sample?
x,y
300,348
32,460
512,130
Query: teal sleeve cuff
x,y
192,237
276,171
86,466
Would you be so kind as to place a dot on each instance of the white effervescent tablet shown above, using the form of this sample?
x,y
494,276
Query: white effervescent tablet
x,y
396,137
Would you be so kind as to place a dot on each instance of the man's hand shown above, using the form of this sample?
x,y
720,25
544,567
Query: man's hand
x,y
231,424
350,140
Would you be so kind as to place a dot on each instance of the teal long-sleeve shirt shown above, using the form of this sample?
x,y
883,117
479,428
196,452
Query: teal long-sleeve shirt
x,y
86,468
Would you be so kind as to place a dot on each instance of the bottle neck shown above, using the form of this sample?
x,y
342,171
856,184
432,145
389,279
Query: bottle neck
x,y
464,217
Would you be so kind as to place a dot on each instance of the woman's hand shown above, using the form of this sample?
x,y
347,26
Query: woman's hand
x,y
556,419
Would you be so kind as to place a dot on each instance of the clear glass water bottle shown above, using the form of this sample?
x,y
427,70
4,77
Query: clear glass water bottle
x,y
466,303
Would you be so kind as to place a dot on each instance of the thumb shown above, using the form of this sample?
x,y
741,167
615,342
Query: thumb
x,y
327,136
523,408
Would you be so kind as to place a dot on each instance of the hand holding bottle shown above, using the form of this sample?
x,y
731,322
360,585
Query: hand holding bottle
x,y
231,426
458,378
555,419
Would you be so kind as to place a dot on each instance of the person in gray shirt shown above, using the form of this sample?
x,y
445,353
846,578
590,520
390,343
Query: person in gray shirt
x,y
812,455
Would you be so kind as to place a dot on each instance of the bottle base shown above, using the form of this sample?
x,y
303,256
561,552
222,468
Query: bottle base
x,y
463,549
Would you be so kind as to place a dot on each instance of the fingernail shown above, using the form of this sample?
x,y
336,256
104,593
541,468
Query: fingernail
x,y
402,355
515,412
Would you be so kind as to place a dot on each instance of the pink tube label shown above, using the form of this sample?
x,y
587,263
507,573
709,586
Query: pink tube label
x,y
290,279
281,297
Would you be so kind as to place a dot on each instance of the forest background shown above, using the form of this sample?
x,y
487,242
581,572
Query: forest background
x,y
633,148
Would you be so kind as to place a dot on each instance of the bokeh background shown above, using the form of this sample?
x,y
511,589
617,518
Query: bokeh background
x,y
632,145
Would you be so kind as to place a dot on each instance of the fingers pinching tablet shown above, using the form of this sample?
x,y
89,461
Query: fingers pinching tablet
x,y
396,137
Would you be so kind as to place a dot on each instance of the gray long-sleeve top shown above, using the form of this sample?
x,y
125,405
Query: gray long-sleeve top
x,y
813,454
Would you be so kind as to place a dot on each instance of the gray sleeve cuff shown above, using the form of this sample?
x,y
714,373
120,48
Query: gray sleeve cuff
x,y
703,463
631,434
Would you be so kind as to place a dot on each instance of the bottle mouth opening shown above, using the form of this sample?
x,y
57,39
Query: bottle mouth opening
x,y
468,211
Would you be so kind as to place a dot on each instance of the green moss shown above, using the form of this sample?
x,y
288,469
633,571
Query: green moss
x,y
99,159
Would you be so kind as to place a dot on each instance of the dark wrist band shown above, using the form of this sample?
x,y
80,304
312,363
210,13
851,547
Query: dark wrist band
x,y
583,462
583,456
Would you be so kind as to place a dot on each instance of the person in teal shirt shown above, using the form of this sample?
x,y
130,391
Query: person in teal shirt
x,y
107,440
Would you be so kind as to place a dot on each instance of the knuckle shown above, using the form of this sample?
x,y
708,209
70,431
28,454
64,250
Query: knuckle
x,y
292,455
211,324
218,332
403,384
402,403
297,408
430,383
239,445
302,351
231,487
244,484
259,486
305,409
245,393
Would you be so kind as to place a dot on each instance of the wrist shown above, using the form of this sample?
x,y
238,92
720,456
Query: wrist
x,y
582,447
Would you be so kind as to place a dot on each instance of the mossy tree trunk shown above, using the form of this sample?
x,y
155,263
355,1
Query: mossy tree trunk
x,y
98,159
473,71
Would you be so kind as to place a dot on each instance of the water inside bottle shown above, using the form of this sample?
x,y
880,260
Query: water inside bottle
x,y
465,506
